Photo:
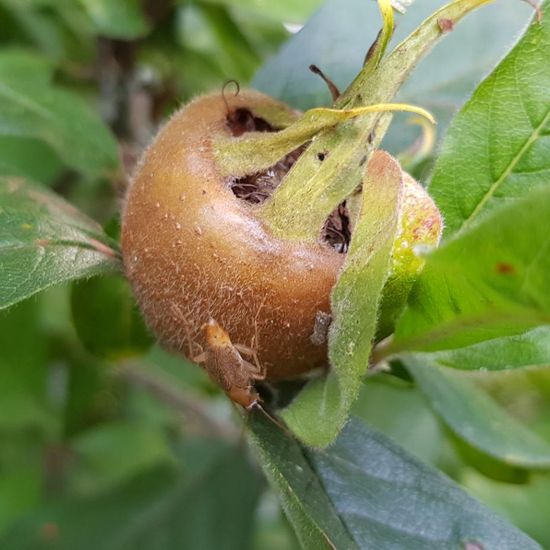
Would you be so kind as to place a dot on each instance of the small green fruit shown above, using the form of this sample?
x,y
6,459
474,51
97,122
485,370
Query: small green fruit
x,y
420,230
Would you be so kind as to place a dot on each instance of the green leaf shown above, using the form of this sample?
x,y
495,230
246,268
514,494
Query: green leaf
x,y
106,318
283,10
300,490
28,158
23,378
451,72
525,393
531,349
321,409
498,147
24,65
336,39
88,382
526,505
23,156
45,241
237,56
99,465
491,281
26,419
34,108
476,417
209,506
123,19
396,408
57,28
383,496
22,480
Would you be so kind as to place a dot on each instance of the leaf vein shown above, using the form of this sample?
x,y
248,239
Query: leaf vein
x,y
508,170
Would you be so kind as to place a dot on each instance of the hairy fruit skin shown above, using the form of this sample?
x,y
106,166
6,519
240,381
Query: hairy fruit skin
x,y
193,251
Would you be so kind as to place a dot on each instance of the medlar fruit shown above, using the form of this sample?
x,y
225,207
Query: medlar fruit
x,y
195,250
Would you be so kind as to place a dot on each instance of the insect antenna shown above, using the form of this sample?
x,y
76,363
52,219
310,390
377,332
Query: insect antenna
x,y
271,417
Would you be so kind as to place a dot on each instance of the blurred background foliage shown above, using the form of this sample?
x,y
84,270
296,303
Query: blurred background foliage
x,y
102,433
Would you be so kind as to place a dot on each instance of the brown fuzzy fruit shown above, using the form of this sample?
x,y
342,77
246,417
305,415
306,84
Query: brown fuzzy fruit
x,y
194,251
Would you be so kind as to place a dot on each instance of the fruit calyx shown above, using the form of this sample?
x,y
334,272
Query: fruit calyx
x,y
256,188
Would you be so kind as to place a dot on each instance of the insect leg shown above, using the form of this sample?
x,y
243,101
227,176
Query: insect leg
x,y
256,368
201,358
255,371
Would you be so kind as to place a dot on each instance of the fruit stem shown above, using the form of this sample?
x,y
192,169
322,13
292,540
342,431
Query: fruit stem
x,y
381,351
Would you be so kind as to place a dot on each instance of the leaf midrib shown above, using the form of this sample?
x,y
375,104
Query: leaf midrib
x,y
50,243
507,172
24,101
298,502
450,329
409,485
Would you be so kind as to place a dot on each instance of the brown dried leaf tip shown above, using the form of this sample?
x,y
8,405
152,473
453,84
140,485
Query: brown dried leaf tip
x,y
333,89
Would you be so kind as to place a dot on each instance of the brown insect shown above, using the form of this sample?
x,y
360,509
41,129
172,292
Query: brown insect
x,y
225,365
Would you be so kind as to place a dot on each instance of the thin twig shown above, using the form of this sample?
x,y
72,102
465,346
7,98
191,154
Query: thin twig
x,y
165,390
381,352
